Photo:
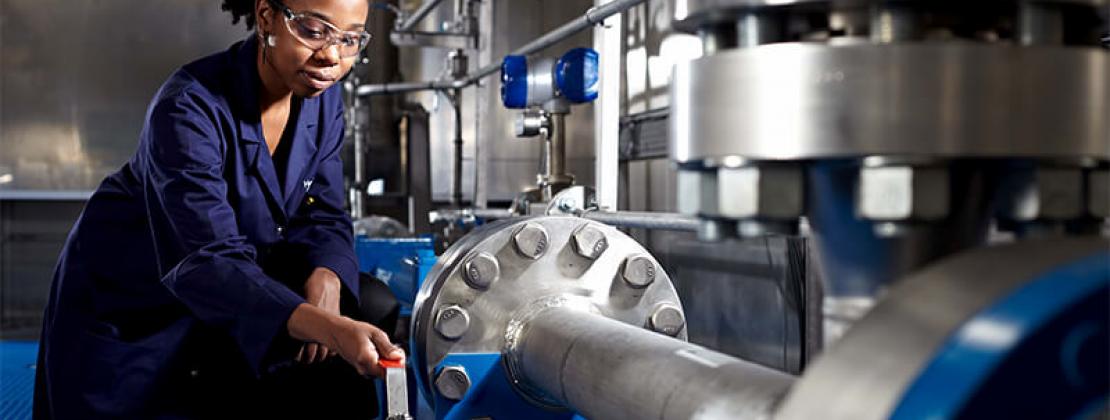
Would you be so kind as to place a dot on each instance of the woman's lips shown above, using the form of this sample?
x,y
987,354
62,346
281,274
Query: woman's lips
x,y
317,80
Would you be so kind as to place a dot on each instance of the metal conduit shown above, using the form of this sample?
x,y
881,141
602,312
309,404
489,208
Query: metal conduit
x,y
418,15
592,17
645,220
606,369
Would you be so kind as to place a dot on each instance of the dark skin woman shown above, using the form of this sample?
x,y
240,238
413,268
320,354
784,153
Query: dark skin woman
x,y
214,274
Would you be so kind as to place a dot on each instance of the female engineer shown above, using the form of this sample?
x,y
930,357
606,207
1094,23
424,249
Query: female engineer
x,y
220,254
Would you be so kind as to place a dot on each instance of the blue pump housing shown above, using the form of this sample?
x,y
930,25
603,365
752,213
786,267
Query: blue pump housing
x,y
514,81
575,73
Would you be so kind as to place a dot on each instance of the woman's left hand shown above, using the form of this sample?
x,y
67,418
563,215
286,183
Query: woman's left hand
x,y
321,290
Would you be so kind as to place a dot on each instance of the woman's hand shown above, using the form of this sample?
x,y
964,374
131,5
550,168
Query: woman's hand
x,y
359,343
322,289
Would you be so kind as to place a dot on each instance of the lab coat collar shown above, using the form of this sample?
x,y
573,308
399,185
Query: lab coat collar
x,y
246,86
302,153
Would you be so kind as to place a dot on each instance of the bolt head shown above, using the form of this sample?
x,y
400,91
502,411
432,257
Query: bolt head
x,y
452,322
638,271
1098,193
762,191
531,240
667,319
902,192
589,241
453,382
481,270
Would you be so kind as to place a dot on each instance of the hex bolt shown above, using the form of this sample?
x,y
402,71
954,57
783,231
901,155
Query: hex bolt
x,y
453,382
893,190
452,322
1098,193
481,271
638,271
589,241
667,319
531,240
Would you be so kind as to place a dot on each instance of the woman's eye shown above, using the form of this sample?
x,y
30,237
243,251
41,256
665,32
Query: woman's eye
x,y
311,33
313,30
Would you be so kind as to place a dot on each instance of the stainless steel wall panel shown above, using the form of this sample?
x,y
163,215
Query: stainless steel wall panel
x,y
76,77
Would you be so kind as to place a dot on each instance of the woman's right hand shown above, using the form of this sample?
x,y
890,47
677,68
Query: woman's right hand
x,y
359,343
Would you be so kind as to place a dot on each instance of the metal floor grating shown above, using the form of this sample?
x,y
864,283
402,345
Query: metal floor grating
x,y
17,378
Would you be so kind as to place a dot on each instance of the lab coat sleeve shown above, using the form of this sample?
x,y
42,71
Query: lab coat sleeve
x,y
209,266
322,225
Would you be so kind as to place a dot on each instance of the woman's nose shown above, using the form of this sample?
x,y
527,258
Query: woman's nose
x,y
329,55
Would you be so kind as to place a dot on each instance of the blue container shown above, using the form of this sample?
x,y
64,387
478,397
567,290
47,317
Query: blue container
x,y
401,263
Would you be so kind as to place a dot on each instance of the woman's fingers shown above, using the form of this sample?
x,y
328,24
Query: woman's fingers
x,y
310,353
367,362
384,346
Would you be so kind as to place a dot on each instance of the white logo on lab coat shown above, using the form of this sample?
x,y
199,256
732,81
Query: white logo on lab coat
x,y
307,184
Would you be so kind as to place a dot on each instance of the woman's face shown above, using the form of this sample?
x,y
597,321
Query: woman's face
x,y
307,71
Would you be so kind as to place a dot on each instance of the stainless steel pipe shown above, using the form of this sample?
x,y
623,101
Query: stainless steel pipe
x,y
645,220
592,17
452,215
607,369
457,173
403,87
418,15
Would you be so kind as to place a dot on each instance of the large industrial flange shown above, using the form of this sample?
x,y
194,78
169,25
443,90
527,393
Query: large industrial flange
x,y
1010,331
484,288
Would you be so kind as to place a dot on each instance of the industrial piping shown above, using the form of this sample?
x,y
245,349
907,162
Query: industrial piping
x,y
593,16
606,369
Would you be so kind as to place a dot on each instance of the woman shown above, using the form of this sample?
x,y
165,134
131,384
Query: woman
x,y
221,252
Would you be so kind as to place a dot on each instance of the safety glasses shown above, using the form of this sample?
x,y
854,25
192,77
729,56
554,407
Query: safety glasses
x,y
316,33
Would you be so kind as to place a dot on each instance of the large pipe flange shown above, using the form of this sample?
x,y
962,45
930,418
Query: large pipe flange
x,y
485,286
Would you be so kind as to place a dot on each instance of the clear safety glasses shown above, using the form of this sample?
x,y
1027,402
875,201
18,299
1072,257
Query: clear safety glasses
x,y
316,33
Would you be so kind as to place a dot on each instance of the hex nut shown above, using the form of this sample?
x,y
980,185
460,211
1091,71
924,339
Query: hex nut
x,y
452,382
1060,192
903,192
697,192
1098,193
589,241
638,271
1048,192
531,240
760,191
452,322
481,271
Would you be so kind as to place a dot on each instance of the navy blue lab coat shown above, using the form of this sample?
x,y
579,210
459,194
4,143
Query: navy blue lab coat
x,y
179,277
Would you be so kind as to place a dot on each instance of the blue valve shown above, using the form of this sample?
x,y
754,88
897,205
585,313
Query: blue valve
x,y
514,81
574,76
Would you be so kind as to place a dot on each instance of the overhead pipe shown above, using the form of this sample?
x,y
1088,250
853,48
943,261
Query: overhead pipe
x,y
644,220
418,15
593,16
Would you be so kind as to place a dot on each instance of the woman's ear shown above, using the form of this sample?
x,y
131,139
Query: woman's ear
x,y
263,16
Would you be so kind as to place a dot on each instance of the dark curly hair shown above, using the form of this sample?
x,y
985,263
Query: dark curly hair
x,y
240,9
